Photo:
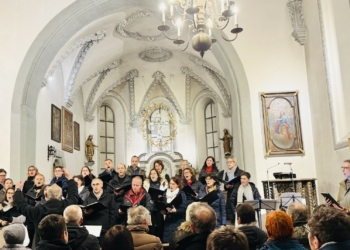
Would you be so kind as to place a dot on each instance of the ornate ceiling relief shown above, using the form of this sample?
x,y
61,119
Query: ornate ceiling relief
x,y
136,35
295,10
88,112
159,80
152,54
98,36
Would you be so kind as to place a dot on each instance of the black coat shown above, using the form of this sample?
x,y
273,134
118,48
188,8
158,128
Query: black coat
x,y
256,237
80,239
115,182
195,185
194,241
229,213
203,173
28,184
176,237
52,206
233,197
84,194
53,245
32,192
106,217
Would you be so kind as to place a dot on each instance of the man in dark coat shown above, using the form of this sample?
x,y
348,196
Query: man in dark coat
x,y
203,222
105,217
109,169
53,233
53,205
78,236
134,168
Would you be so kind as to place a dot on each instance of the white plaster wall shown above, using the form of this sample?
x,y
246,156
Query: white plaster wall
x,y
20,24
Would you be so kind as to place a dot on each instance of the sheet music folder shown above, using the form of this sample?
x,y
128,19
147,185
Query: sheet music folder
x,y
161,205
155,193
330,197
210,198
96,206
188,190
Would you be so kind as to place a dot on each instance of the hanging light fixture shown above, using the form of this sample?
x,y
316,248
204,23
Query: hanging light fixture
x,y
200,17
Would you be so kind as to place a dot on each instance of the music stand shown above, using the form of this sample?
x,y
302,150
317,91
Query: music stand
x,y
267,204
288,198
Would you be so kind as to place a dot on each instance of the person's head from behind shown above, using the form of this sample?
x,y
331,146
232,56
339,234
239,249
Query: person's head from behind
x,y
298,212
279,225
118,237
227,238
138,215
327,225
245,214
202,217
73,214
53,192
53,227
14,234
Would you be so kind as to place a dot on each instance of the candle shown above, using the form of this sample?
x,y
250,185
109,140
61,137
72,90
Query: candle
x,y
162,7
222,6
178,23
236,15
171,10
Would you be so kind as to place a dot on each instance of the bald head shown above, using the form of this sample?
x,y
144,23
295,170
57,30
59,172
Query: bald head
x,y
298,212
136,184
73,214
54,192
202,217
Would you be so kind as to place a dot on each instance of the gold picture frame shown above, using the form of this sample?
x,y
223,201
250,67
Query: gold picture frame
x,y
55,123
76,136
282,123
67,130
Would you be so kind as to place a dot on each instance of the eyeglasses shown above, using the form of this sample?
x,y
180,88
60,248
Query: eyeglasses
x,y
2,175
345,168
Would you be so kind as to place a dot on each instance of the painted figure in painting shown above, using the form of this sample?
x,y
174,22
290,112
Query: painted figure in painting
x,y
227,139
89,149
282,126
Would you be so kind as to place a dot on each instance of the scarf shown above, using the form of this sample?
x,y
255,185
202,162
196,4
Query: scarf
x,y
209,169
81,189
135,198
189,182
231,173
208,190
247,192
6,205
170,195
98,196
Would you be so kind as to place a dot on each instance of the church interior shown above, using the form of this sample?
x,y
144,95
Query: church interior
x,y
102,69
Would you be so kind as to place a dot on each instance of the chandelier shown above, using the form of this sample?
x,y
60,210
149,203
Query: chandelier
x,y
199,17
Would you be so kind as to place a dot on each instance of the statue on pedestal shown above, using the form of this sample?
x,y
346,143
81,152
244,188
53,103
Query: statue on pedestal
x,y
89,149
227,139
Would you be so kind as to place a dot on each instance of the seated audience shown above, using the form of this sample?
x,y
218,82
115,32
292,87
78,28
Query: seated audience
x,y
14,236
134,168
299,214
159,166
60,180
247,224
209,166
138,219
243,191
78,236
53,234
53,205
227,238
203,222
218,205
279,227
105,217
189,179
329,229
118,238
32,172
83,191
176,215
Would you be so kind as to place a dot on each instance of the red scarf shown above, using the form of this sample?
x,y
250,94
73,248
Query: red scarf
x,y
189,182
135,198
209,169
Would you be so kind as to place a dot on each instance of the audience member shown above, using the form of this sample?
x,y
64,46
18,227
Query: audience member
x,y
247,224
53,234
118,238
78,236
203,222
227,238
209,166
134,168
14,236
279,227
299,214
138,219
329,229
60,180
53,205
32,172
233,172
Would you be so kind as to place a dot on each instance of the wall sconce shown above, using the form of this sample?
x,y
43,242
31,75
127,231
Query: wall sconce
x,y
51,151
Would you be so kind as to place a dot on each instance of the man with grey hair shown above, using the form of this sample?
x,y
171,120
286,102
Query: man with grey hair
x,y
78,236
138,220
183,165
53,205
203,222
299,214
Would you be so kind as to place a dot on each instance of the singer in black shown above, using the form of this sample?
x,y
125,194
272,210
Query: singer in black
x,y
189,179
243,191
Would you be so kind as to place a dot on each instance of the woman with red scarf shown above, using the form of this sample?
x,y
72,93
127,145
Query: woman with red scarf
x,y
189,179
208,167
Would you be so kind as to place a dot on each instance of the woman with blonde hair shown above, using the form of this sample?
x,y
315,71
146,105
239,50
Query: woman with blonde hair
x,y
32,172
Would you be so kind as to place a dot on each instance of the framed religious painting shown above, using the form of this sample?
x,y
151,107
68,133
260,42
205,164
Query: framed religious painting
x,y
76,136
55,123
282,123
67,130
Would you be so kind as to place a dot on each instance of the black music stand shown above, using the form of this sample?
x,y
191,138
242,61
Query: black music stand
x,y
266,204
288,198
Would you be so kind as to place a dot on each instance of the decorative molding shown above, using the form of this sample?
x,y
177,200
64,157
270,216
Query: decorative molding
x,y
188,97
295,10
138,14
342,143
74,72
189,72
113,65
98,36
131,74
147,53
204,64
159,80
132,100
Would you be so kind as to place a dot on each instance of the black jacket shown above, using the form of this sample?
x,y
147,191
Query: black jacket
x,y
80,239
34,191
203,173
105,217
229,213
53,245
233,197
176,237
28,184
194,241
84,194
52,206
195,185
256,237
